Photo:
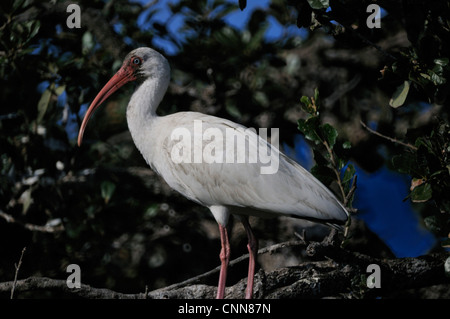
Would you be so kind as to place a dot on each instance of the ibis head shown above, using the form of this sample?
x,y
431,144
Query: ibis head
x,y
139,64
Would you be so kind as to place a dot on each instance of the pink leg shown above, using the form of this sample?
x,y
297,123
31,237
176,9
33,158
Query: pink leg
x,y
224,259
252,247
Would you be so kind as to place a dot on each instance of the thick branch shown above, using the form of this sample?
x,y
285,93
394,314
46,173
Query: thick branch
x,y
336,272
48,284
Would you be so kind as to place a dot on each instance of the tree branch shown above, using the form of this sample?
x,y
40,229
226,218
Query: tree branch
x,y
45,229
58,285
334,272
393,140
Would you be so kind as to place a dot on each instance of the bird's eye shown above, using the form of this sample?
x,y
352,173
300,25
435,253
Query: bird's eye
x,y
136,61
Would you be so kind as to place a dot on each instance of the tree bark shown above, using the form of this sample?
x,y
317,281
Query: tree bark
x,y
333,273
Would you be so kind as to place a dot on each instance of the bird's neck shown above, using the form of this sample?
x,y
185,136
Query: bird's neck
x,y
141,110
145,100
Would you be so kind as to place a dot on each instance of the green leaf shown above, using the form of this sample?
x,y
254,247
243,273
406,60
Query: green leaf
x,y
316,95
441,61
17,4
425,143
107,189
319,4
87,42
437,79
349,174
330,134
309,129
346,145
438,69
232,109
305,101
433,224
257,38
405,163
308,106
261,98
400,94
340,163
323,173
44,102
26,200
421,193
60,89
151,211
33,28
425,76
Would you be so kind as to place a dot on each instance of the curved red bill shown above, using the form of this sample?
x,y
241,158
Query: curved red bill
x,y
123,76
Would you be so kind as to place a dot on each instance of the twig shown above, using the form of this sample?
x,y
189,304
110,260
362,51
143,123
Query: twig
x,y
335,169
302,236
351,191
345,198
17,272
45,229
393,140
350,210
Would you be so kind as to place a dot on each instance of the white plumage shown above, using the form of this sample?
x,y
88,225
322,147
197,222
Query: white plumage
x,y
291,191
226,188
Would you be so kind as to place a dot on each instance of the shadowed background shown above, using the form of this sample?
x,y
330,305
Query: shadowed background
x,y
101,207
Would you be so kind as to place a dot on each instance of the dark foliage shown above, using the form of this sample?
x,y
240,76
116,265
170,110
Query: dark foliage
x,y
99,206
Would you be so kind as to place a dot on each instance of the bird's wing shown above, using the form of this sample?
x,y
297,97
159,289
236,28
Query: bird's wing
x,y
270,185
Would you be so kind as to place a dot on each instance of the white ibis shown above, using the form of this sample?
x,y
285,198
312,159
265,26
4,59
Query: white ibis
x,y
239,188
